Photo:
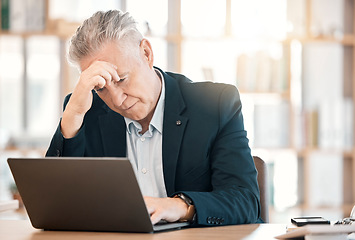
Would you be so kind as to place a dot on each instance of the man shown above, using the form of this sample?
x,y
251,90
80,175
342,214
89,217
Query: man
x,y
185,140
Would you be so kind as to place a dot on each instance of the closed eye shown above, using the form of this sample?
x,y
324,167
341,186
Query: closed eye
x,y
119,81
99,89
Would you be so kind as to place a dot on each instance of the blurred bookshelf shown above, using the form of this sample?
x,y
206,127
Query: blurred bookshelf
x,y
297,89
292,61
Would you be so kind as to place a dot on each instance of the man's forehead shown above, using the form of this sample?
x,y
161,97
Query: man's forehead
x,y
108,52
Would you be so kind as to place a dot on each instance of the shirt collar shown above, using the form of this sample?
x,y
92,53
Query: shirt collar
x,y
157,119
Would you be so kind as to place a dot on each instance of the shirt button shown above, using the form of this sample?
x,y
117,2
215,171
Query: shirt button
x,y
144,171
142,139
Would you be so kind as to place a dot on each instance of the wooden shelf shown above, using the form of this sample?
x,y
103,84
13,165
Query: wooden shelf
x,y
345,40
58,28
284,94
305,151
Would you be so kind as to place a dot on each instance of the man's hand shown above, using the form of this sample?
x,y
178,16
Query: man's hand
x,y
168,209
96,76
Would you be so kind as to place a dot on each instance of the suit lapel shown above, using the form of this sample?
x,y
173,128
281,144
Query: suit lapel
x,y
173,131
113,127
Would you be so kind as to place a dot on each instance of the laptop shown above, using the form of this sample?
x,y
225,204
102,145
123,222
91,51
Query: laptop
x,y
83,194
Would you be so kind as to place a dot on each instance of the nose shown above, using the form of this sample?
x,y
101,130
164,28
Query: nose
x,y
118,96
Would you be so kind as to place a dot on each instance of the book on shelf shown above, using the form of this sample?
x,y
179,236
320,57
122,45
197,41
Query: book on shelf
x,y
5,14
311,128
271,125
259,72
348,124
330,126
23,15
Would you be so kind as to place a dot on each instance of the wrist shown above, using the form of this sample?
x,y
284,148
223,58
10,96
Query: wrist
x,y
70,124
190,212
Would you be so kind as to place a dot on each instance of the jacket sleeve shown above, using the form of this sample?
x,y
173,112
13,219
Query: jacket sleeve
x,y
62,147
234,198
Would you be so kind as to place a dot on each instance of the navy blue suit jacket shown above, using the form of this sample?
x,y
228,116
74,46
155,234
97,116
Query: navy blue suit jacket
x,y
205,148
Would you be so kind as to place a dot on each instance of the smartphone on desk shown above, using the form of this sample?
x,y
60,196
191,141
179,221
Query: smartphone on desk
x,y
301,221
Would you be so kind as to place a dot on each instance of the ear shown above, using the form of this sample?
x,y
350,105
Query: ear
x,y
147,52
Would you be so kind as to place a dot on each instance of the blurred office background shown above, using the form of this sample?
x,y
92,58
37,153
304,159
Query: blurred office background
x,y
292,61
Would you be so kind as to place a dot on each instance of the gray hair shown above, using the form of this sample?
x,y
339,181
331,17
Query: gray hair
x,y
102,27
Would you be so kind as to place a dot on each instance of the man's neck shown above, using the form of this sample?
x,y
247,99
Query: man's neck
x,y
145,123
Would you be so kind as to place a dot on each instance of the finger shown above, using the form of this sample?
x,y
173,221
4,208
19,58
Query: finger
x,y
150,210
113,71
100,82
108,71
155,217
150,207
153,209
105,75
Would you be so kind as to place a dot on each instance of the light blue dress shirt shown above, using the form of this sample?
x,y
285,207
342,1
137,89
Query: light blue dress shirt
x,y
145,151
